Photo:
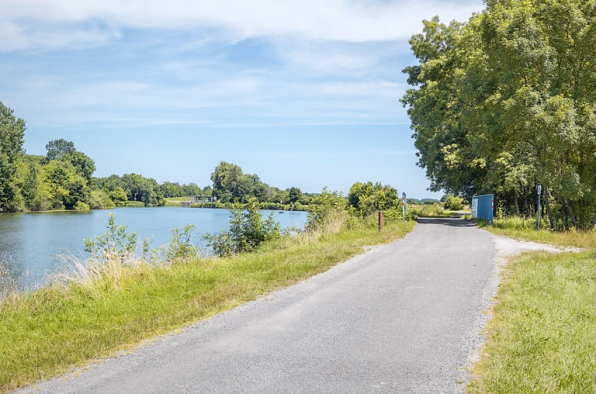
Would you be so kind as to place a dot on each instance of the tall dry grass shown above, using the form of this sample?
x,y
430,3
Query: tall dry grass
x,y
94,276
8,284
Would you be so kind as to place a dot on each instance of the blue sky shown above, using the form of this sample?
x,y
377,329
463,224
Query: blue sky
x,y
301,92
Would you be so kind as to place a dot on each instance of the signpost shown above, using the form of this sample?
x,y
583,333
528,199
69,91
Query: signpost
x,y
403,205
539,194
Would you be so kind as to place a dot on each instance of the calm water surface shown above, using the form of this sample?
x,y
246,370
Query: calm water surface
x,y
31,243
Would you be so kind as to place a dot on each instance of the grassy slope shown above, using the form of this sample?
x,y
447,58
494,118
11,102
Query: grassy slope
x,y
47,332
542,336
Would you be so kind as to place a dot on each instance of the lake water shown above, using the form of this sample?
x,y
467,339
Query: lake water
x,y
31,242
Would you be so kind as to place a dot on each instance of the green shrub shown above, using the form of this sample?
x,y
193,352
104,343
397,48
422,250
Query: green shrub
x,y
180,246
270,206
119,197
81,206
133,204
248,230
323,206
412,213
298,207
274,206
99,199
454,203
116,242
214,204
394,214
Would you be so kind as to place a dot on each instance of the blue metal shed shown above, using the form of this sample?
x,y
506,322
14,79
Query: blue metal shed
x,y
483,207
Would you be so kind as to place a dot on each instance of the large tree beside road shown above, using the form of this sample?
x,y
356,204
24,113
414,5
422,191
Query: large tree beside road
x,y
507,101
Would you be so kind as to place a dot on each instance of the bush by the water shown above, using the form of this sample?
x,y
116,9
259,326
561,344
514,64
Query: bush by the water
x,y
115,243
247,230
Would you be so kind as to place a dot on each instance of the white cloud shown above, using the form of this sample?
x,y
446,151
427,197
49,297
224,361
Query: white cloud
x,y
313,66
337,20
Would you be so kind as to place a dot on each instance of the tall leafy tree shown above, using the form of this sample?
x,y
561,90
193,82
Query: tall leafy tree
x,y
295,194
542,56
507,101
436,109
230,184
12,132
31,185
62,186
57,149
82,163
225,180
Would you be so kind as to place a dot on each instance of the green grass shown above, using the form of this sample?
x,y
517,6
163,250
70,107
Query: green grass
x,y
435,210
525,229
47,332
542,337
179,199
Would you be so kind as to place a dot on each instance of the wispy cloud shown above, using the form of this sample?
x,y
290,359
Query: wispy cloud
x,y
35,35
239,102
334,20
224,63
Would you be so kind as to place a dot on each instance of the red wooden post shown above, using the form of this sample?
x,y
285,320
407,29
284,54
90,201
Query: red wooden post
x,y
380,220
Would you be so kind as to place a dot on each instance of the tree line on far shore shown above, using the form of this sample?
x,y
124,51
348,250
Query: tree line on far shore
x,y
63,179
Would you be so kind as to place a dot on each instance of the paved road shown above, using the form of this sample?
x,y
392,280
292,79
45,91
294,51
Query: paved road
x,y
403,318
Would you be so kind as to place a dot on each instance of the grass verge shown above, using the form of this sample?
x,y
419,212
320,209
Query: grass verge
x,y
525,229
47,332
542,335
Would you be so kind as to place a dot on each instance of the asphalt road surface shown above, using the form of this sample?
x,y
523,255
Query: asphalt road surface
x,y
402,318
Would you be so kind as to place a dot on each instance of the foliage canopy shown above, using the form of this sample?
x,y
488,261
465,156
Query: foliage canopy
x,y
507,101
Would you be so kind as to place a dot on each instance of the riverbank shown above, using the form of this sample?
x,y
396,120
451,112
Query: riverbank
x,y
31,245
47,332
86,208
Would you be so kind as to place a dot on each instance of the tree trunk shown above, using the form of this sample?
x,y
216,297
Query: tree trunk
x,y
570,210
546,203
516,204
564,213
527,204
